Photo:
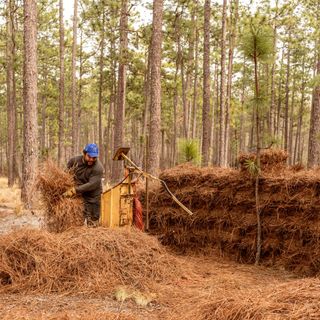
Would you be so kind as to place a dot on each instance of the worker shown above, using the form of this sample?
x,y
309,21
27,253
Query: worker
x,y
88,171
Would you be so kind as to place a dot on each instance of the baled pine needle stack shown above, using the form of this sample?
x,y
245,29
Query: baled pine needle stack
x,y
224,207
270,160
60,213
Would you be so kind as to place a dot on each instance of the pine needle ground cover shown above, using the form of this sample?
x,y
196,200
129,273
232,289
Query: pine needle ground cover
x,y
214,291
223,202
83,260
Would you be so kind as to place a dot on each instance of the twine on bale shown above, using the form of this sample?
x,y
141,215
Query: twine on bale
x,y
60,213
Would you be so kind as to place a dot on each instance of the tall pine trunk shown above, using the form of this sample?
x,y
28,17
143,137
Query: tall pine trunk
x,y
155,107
258,149
121,94
101,79
61,84
11,93
74,84
222,154
195,87
286,113
300,117
206,86
233,37
30,142
314,142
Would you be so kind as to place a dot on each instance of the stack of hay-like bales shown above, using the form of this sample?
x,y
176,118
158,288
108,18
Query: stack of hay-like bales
x,y
224,206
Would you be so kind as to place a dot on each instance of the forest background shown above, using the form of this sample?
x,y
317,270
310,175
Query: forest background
x,y
175,80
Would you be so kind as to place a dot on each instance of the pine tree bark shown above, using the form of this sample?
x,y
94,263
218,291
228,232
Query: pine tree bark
x,y
233,37
195,87
61,84
258,149
176,89
215,126
286,113
30,142
206,86
175,115
146,111
189,67
314,141
222,155
74,84
43,150
113,92
272,119
279,104
300,117
242,117
101,80
121,94
155,107
80,89
291,123
11,92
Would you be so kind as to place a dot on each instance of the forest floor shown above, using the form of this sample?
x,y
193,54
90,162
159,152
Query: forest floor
x,y
12,214
248,290
213,277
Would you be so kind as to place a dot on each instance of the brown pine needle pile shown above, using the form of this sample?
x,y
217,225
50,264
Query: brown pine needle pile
x,y
223,202
60,213
295,300
83,260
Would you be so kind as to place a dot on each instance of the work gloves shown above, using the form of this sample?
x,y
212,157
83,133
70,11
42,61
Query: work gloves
x,y
70,192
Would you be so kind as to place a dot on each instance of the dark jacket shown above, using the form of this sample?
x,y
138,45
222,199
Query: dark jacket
x,y
87,178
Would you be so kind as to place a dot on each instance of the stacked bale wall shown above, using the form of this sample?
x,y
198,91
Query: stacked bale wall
x,y
223,202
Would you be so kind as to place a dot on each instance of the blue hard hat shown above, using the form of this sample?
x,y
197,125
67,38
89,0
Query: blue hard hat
x,y
92,150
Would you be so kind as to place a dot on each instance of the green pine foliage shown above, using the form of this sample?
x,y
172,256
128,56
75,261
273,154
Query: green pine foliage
x,y
189,151
257,38
270,32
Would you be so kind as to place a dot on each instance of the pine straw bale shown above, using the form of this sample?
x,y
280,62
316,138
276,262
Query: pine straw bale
x,y
187,174
270,160
60,213
83,260
223,202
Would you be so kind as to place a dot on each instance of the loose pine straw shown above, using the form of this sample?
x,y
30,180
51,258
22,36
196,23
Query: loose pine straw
x,y
83,260
60,213
76,315
94,262
293,300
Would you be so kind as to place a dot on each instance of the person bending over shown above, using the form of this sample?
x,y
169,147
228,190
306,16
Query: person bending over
x,y
88,171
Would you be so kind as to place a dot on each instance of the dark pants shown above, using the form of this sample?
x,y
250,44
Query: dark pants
x,y
92,210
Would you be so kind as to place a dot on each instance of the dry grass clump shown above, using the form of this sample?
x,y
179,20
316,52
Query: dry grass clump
x,y
60,213
83,260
